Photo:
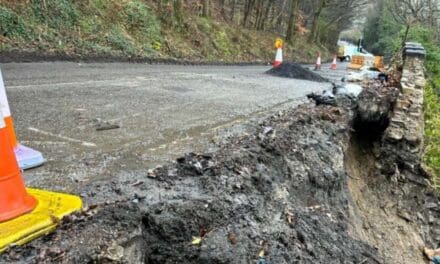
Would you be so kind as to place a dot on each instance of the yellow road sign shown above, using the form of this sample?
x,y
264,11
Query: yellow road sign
x,y
278,43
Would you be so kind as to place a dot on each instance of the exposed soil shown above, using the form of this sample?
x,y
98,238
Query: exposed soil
x,y
296,71
280,188
22,56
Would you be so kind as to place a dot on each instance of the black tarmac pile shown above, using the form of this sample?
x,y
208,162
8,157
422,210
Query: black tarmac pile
x,y
296,71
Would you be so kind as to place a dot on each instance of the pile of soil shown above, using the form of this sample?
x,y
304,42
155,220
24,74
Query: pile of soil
x,y
296,71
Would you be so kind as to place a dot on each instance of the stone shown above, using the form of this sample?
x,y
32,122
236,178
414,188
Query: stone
x,y
403,103
114,253
395,134
420,83
407,90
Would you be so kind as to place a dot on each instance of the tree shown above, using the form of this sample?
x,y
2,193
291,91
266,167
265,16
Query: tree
x,y
178,12
294,6
206,8
319,6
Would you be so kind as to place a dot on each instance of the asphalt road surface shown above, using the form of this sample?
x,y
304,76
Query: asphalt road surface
x,y
163,111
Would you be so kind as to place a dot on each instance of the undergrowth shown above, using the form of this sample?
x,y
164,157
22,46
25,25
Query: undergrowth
x,y
432,128
139,28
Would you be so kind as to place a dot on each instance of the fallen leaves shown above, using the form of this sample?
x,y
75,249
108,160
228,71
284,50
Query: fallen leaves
x,y
232,238
196,241
290,217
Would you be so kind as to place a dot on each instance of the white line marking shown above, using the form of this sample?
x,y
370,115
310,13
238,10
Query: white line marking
x,y
84,143
106,82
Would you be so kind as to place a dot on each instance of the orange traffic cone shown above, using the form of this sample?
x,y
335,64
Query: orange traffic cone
x,y
14,200
279,55
334,64
318,62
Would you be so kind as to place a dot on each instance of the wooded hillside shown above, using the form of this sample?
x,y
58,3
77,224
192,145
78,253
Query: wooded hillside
x,y
211,30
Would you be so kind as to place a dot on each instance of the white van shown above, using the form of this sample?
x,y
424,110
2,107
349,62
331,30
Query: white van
x,y
346,51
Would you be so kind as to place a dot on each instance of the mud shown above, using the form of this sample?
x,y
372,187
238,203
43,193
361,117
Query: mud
x,y
296,71
375,107
295,187
280,187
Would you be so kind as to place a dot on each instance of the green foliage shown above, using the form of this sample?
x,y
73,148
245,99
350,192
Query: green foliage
x,y
328,34
12,25
426,36
118,41
222,43
90,25
142,22
121,28
381,32
59,14
351,35
432,130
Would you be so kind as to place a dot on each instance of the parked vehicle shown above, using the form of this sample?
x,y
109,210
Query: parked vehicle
x,y
346,51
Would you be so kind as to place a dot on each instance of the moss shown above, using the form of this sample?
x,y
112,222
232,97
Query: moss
x,y
432,130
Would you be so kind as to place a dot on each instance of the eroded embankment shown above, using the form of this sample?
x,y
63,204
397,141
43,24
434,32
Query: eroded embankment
x,y
295,188
379,215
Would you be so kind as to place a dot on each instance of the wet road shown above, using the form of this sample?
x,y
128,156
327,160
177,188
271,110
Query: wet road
x,y
163,111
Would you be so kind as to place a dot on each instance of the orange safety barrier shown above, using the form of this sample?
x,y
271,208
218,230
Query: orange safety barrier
x,y
378,63
357,62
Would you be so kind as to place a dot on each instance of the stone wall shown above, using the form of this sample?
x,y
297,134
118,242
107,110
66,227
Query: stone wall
x,y
402,142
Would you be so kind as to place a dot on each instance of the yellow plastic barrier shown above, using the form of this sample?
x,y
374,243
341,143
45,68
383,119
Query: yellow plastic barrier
x,y
357,62
51,208
378,63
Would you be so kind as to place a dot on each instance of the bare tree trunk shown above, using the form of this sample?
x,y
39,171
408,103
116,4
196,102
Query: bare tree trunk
x,y
258,13
405,37
277,18
266,15
234,3
222,8
247,11
294,5
206,6
316,16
